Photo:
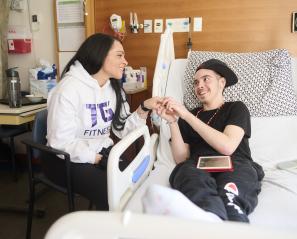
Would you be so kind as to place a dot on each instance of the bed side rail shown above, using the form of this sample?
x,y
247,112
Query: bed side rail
x,y
122,184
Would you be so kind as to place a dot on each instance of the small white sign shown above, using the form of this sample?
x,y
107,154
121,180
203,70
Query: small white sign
x,y
178,24
197,24
10,45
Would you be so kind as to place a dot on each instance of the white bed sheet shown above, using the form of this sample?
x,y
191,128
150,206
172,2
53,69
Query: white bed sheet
x,y
273,140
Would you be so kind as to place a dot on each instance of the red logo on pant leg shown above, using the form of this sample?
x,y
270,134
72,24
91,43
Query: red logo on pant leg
x,y
232,188
231,193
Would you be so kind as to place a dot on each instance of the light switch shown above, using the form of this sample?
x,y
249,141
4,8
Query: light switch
x,y
158,26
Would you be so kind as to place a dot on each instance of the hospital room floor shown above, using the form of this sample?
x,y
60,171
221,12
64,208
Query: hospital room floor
x,y
13,225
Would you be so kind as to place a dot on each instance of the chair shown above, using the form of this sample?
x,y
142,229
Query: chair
x,y
11,131
50,163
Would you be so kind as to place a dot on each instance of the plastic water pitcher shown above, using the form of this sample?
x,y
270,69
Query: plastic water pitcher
x,y
14,88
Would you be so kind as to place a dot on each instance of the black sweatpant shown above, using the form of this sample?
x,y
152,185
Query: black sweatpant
x,y
230,195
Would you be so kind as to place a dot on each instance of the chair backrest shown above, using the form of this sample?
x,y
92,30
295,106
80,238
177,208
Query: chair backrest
x,y
53,167
39,130
55,171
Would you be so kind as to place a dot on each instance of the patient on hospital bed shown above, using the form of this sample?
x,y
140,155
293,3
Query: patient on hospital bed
x,y
213,129
267,84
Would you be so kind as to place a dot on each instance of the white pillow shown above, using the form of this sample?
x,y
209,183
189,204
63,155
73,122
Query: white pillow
x,y
264,81
273,139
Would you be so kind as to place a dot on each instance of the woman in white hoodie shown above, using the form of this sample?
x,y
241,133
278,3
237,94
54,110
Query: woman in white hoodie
x,y
83,109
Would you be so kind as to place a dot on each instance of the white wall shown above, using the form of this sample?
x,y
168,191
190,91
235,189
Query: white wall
x,y
43,46
43,41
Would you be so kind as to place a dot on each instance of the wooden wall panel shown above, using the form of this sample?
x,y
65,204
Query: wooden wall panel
x,y
232,26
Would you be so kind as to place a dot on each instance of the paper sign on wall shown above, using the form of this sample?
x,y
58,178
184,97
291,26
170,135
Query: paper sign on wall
x,y
70,21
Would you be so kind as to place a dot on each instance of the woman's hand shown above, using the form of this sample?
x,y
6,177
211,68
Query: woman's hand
x,y
98,158
147,105
153,103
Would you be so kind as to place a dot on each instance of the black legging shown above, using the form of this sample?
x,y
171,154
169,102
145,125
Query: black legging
x,y
87,180
90,182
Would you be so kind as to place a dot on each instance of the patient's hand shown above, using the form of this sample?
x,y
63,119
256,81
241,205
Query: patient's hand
x,y
173,108
168,115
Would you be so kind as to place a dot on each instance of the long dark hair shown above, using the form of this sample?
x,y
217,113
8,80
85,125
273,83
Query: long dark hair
x,y
91,55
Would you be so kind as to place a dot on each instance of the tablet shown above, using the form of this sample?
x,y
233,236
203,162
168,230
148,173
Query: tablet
x,y
215,163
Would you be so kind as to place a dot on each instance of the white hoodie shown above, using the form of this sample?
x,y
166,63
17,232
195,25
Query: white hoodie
x,y
80,113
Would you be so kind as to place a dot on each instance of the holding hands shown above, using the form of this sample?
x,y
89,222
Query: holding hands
x,y
152,103
171,110
165,107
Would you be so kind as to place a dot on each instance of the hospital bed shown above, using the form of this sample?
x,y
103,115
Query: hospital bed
x,y
274,130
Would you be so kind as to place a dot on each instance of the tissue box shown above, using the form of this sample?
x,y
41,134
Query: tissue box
x,y
42,79
41,87
129,86
134,79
